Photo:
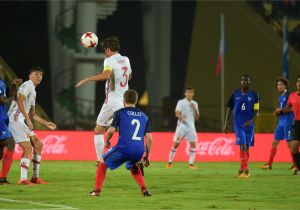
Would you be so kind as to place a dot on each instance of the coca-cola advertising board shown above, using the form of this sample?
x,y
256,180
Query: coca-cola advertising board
x,y
79,145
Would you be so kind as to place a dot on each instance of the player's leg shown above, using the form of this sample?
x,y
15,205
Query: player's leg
x,y
8,153
241,141
191,138
294,166
289,137
99,140
36,159
177,139
295,144
99,178
139,178
25,162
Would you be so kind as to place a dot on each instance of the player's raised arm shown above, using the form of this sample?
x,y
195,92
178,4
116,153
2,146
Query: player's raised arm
x,y
39,119
105,75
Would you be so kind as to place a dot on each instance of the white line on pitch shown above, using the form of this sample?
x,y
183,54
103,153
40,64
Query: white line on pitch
x,y
55,207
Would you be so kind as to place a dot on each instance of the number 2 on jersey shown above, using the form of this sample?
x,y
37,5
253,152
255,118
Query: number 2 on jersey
x,y
124,68
137,128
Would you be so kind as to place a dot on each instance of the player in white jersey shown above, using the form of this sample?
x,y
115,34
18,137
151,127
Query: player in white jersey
x,y
187,112
21,126
117,73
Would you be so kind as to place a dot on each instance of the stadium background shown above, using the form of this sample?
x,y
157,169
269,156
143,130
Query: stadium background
x,y
170,44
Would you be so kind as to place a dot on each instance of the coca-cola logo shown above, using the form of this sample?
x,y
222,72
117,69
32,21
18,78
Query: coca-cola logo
x,y
52,145
220,146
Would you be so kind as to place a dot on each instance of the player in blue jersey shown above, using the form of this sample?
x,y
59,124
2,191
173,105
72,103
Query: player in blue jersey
x,y
245,106
7,144
133,126
284,124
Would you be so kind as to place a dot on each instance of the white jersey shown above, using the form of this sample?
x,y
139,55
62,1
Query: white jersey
x,y
28,90
121,71
184,107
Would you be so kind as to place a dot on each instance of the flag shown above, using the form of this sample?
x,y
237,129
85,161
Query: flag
x,y
220,62
285,62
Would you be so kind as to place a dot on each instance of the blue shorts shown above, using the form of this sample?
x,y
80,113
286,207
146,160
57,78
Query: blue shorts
x,y
5,133
116,157
244,135
283,131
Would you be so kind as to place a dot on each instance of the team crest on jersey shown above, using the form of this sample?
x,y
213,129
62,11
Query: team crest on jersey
x,y
249,99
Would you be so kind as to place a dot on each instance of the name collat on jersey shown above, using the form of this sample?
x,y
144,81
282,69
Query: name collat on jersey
x,y
132,124
282,102
3,115
121,71
243,105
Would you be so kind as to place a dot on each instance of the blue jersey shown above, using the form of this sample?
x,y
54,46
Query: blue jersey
x,y
3,110
288,117
243,106
132,124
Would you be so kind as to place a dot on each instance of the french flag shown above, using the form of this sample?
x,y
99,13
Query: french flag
x,y
220,64
285,63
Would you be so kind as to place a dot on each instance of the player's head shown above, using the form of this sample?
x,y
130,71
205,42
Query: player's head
x,y
130,97
189,92
111,46
245,81
36,75
281,84
298,83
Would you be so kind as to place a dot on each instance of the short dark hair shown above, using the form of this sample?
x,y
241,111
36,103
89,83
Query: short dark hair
x,y
36,68
188,88
130,96
112,43
283,80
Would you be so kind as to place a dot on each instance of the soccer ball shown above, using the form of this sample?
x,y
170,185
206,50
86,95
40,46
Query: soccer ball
x,y
89,40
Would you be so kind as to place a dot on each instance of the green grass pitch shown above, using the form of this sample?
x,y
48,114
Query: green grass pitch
x,y
213,186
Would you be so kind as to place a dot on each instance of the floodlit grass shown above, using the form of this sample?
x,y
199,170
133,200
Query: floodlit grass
x,y
213,186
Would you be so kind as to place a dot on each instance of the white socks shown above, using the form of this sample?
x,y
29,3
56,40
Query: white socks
x,y
36,160
24,164
172,154
192,156
99,145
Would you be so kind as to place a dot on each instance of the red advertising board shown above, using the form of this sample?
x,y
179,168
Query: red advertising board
x,y
79,145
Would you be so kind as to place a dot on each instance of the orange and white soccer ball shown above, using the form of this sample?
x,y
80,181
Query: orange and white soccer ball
x,y
89,40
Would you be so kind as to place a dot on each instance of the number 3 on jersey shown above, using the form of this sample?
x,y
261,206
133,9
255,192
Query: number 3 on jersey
x,y
124,68
137,128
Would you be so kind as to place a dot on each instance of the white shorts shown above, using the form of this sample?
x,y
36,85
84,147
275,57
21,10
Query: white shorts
x,y
19,130
185,132
106,114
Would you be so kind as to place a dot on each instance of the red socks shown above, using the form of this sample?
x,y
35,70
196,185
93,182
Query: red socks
x,y
100,175
137,175
272,155
244,156
6,163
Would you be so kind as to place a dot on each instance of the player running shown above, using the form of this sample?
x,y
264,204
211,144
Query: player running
x,y
116,72
6,140
21,110
294,104
245,106
284,124
187,112
133,125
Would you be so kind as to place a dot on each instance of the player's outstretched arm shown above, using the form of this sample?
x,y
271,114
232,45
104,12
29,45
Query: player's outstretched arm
x,y
39,119
12,92
102,76
109,134
227,117
148,149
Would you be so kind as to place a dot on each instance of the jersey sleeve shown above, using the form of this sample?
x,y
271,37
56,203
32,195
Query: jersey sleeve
x,y
24,89
230,103
148,127
256,102
129,66
107,66
116,120
33,101
197,108
178,107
